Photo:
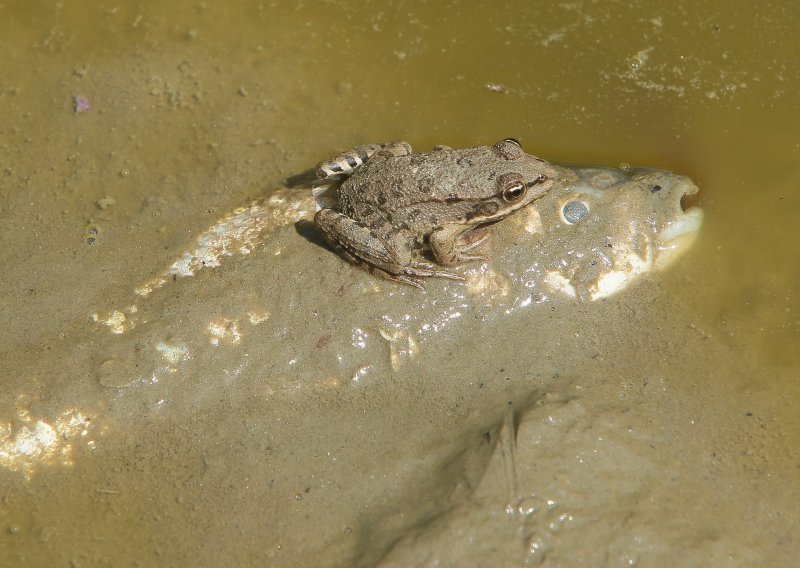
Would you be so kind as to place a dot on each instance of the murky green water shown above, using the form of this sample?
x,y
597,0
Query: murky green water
x,y
194,108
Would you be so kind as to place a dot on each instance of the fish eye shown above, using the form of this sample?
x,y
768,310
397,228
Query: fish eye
x,y
513,141
514,190
574,211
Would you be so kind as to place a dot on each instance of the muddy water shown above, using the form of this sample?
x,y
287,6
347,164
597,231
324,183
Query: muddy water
x,y
658,427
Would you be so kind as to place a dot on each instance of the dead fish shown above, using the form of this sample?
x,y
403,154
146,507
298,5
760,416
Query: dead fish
x,y
594,233
600,229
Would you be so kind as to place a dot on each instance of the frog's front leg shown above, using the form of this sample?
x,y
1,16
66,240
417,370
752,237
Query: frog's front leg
x,y
348,162
390,258
449,247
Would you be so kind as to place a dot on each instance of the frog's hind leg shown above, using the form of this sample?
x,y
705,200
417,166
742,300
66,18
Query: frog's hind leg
x,y
362,244
348,162
390,258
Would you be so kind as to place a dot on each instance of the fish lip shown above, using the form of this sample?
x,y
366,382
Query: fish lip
x,y
680,233
692,216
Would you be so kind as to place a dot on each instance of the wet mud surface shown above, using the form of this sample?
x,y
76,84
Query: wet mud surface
x,y
286,408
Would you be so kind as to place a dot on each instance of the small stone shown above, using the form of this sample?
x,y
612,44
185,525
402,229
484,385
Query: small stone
x,y
105,202
81,104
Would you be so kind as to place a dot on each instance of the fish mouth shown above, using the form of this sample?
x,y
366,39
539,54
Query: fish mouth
x,y
680,232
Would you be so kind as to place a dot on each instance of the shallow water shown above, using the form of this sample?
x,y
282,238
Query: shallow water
x,y
660,427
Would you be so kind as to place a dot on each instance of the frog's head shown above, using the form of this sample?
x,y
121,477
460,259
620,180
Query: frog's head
x,y
518,179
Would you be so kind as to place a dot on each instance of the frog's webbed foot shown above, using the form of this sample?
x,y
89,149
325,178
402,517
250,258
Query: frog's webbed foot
x,y
344,164
418,269
396,277
469,257
426,270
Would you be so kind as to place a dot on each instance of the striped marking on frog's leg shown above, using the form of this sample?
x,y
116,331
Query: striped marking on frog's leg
x,y
347,162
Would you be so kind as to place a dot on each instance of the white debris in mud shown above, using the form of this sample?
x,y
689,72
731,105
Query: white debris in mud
x,y
28,442
225,329
487,282
115,321
531,220
359,338
172,353
239,232
403,347
257,317
559,283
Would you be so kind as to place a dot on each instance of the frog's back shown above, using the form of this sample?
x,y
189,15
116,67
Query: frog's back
x,y
403,181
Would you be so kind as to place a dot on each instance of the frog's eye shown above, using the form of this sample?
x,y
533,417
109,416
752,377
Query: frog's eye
x,y
513,190
574,211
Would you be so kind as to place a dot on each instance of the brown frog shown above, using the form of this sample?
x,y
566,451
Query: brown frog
x,y
393,203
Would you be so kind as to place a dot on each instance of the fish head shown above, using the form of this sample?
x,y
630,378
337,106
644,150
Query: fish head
x,y
603,228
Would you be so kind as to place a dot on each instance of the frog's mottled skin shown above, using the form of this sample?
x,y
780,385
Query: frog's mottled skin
x,y
394,203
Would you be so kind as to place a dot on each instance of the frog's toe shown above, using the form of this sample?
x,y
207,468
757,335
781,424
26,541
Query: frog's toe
x,y
470,257
405,279
422,269
449,275
408,280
